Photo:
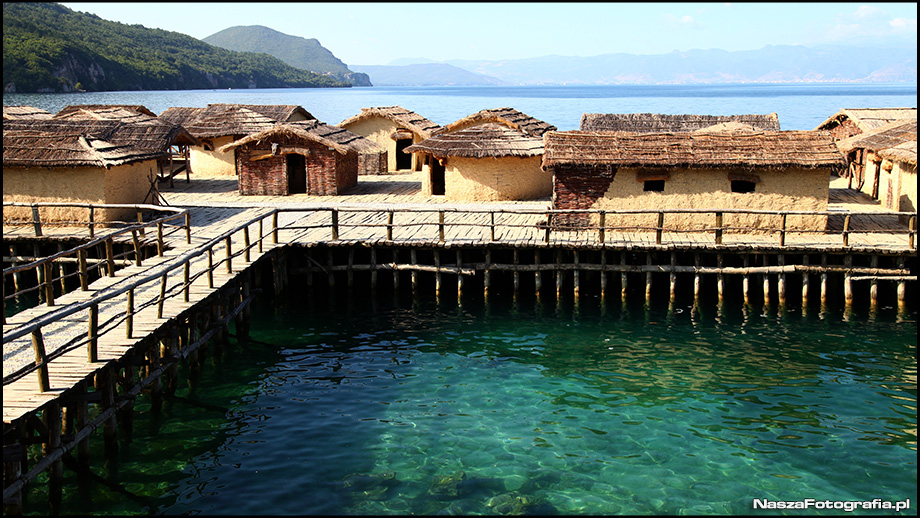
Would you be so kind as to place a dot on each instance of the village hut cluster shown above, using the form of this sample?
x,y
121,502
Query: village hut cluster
x,y
614,162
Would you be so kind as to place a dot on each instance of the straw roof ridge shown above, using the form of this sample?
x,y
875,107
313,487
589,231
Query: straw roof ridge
x,y
655,122
868,118
508,116
888,135
806,149
905,152
95,143
235,120
480,141
104,109
181,115
339,139
399,115
11,112
275,112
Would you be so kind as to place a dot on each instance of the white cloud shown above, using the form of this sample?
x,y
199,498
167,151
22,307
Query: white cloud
x,y
681,21
903,24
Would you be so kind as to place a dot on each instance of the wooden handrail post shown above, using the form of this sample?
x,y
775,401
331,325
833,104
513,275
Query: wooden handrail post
x,y
41,360
92,353
846,230
140,221
911,236
246,243
92,222
186,284
159,239
782,232
492,226
137,248
229,255
718,228
549,224
275,227
36,221
210,267
440,226
188,228
162,296
335,224
601,228
49,284
84,275
110,256
261,235
660,228
389,225
129,314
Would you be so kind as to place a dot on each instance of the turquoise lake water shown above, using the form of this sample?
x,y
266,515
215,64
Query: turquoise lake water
x,y
353,404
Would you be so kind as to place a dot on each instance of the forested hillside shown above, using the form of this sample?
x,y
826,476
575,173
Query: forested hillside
x,y
50,48
303,53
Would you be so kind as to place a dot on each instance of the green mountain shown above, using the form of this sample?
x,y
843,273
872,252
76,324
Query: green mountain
x,y
302,53
50,48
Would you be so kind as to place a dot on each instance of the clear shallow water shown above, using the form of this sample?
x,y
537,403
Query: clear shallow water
x,y
800,106
359,405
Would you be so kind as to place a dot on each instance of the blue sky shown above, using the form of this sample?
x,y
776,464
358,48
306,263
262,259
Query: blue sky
x,y
378,33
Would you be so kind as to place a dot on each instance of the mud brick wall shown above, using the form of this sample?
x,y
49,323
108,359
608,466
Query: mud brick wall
x,y
266,177
328,172
579,188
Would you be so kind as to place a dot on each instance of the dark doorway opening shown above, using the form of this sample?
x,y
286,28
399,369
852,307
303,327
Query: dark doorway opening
x,y
437,177
403,159
297,174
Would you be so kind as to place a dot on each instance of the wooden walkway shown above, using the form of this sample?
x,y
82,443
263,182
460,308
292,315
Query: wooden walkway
x,y
384,210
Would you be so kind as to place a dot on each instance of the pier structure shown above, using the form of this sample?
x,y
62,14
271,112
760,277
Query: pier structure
x,y
186,276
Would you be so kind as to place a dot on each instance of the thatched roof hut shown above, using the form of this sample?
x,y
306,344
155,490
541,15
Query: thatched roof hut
x,y
91,143
509,116
84,160
300,157
854,121
883,163
402,117
658,123
774,170
808,149
883,137
485,162
24,112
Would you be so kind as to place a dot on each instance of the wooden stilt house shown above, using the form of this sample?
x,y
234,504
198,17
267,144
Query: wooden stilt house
x,y
854,121
393,128
883,163
777,170
305,157
89,161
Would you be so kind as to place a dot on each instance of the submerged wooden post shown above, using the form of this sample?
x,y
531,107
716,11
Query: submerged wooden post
x,y
902,292
413,258
537,274
603,274
373,268
517,276
848,283
623,276
437,273
459,275
873,287
329,270
806,280
766,283
558,274
576,275
648,279
781,282
487,274
696,278
395,270
746,281
823,282
720,279
672,277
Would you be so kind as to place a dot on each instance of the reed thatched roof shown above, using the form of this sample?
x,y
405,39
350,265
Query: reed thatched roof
x,y
867,119
222,119
103,111
512,118
87,143
24,112
658,123
402,117
484,140
339,139
727,127
807,149
893,140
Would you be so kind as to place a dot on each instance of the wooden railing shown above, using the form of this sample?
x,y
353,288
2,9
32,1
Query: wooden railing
x,y
44,268
557,226
168,280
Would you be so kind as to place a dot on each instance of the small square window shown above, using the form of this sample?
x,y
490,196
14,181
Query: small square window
x,y
742,186
653,186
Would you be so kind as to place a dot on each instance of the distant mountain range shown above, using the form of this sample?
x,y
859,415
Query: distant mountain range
x,y
779,63
302,53
425,74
